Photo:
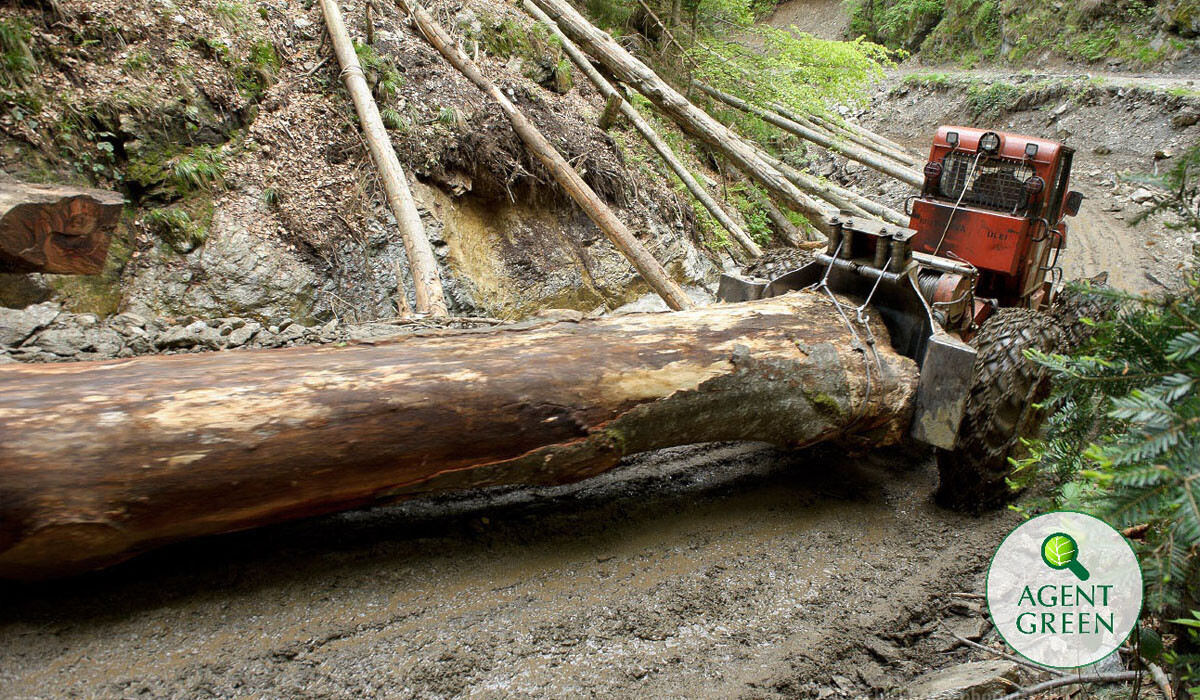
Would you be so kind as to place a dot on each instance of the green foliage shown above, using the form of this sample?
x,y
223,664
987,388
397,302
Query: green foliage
x,y
989,101
382,75
451,117
201,169
897,24
393,119
231,14
1123,439
16,58
271,197
800,71
259,72
137,62
175,227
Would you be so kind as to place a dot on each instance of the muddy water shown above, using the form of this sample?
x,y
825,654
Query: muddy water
x,y
709,571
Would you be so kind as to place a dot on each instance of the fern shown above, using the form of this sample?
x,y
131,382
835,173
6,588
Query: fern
x,y
1123,438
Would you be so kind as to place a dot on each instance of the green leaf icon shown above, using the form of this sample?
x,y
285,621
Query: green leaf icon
x,y
1060,551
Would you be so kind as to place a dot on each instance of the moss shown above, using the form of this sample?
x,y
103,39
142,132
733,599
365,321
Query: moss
x,y
183,227
99,294
824,403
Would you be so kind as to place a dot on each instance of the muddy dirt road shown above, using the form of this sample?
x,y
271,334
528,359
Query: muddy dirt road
x,y
732,570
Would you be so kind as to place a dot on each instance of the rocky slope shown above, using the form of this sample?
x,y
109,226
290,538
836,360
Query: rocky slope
x,y
251,193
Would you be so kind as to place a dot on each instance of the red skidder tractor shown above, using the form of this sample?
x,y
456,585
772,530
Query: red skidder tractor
x,y
964,291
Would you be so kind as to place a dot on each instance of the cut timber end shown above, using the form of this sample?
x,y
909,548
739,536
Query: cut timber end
x,y
102,460
55,229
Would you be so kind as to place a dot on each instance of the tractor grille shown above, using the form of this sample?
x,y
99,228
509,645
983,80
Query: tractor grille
x,y
995,184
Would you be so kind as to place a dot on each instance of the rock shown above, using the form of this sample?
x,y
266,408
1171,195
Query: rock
x,y
240,336
970,680
181,337
1162,154
6,359
64,342
293,333
1102,150
1142,195
1186,118
882,650
16,325
128,324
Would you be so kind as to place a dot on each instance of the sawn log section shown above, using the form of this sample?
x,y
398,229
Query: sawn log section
x,y
101,460
60,230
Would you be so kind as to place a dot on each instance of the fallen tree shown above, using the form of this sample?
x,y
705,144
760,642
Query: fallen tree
x,y
55,229
870,158
102,460
647,266
656,142
845,130
427,284
745,156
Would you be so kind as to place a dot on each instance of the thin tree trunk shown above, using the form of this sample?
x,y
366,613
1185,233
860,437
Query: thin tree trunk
x,y
589,201
612,109
103,460
861,130
427,285
824,139
745,156
643,127
841,197
837,130
54,229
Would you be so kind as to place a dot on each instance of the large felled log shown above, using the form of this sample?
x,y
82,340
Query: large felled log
x,y
427,284
55,229
100,460
642,260
629,70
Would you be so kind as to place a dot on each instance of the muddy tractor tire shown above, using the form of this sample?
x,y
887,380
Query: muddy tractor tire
x,y
1000,409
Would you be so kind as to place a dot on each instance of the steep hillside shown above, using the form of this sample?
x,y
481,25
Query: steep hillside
x,y
1133,34
251,192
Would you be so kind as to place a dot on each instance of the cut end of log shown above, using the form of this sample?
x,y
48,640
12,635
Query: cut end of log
x,y
56,229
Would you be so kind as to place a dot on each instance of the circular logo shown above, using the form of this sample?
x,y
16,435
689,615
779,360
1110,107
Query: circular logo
x,y
1064,589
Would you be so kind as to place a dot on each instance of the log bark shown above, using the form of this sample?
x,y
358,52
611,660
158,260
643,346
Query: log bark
x,y
856,134
823,139
860,130
427,284
660,147
629,70
633,250
101,460
54,229
841,197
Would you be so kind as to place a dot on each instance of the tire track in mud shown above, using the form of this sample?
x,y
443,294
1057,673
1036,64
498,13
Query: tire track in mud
x,y
713,570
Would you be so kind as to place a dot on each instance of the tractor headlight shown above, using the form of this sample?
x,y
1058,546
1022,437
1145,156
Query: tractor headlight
x,y
989,143
1034,186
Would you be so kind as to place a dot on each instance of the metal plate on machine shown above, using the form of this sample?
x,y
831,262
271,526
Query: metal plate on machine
x,y
946,378
735,288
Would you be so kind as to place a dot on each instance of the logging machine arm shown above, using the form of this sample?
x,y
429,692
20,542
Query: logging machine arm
x,y
873,263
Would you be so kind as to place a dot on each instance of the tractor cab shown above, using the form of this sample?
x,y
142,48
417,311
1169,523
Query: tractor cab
x,y
997,202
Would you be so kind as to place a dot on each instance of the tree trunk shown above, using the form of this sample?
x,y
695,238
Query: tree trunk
x,y
612,109
862,131
745,156
102,460
868,158
427,285
855,134
589,201
664,151
841,197
53,229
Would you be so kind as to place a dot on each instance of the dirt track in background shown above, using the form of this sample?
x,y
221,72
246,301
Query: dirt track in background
x,y
721,571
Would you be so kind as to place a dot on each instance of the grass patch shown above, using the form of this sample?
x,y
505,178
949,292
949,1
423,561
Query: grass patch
x,y
16,57
203,168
